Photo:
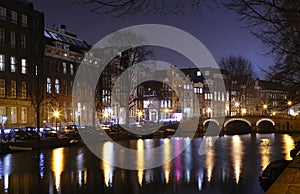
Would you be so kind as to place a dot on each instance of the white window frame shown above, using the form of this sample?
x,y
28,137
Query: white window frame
x,y
64,64
23,90
2,112
2,62
24,20
48,85
2,13
2,87
23,41
13,114
24,115
71,69
13,16
13,89
13,64
13,39
57,86
23,66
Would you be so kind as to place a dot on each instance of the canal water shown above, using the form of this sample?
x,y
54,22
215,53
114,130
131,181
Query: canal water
x,y
232,165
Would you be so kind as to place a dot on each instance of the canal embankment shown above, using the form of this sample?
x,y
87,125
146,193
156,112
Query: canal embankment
x,y
289,180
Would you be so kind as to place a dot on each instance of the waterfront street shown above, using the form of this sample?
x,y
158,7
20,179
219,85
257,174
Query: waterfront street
x,y
233,165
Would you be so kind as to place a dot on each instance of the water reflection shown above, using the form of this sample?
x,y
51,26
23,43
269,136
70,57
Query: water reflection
x,y
209,158
265,150
140,166
288,144
76,170
167,159
108,157
237,153
57,166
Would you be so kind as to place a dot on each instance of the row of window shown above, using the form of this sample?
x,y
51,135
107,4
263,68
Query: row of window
x,y
12,36
13,114
13,89
63,67
13,64
13,16
58,87
217,96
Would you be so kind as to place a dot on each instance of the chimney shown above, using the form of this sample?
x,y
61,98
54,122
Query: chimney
x,y
62,29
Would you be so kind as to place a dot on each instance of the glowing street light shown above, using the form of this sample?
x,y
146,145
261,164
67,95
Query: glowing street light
x,y
236,104
289,103
139,114
265,106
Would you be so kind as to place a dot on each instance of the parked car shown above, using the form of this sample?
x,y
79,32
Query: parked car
x,y
272,172
49,132
69,131
294,152
31,133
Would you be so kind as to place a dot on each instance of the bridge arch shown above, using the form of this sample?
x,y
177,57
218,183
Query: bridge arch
x,y
265,119
213,120
237,119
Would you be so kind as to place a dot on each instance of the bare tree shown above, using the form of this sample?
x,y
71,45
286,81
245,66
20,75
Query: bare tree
x,y
121,76
277,24
237,66
38,95
240,71
147,7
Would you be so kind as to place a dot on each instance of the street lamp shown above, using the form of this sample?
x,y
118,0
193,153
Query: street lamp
x,y
3,119
289,103
140,114
237,105
265,107
56,115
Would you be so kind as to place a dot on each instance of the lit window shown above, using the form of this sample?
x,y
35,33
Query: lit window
x,y
36,70
23,66
2,37
2,62
64,67
71,69
23,41
198,73
12,39
13,16
56,86
2,112
13,89
48,85
23,90
2,13
24,115
13,64
2,88
24,20
13,114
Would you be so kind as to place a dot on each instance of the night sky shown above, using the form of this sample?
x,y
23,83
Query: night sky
x,y
217,28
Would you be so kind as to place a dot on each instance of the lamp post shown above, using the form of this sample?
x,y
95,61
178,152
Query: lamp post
x,y
237,105
265,107
140,114
56,115
3,119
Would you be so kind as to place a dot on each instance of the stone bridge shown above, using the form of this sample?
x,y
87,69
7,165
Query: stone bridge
x,y
253,124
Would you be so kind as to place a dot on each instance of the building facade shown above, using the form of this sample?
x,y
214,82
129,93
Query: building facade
x,y
62,57
21,53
